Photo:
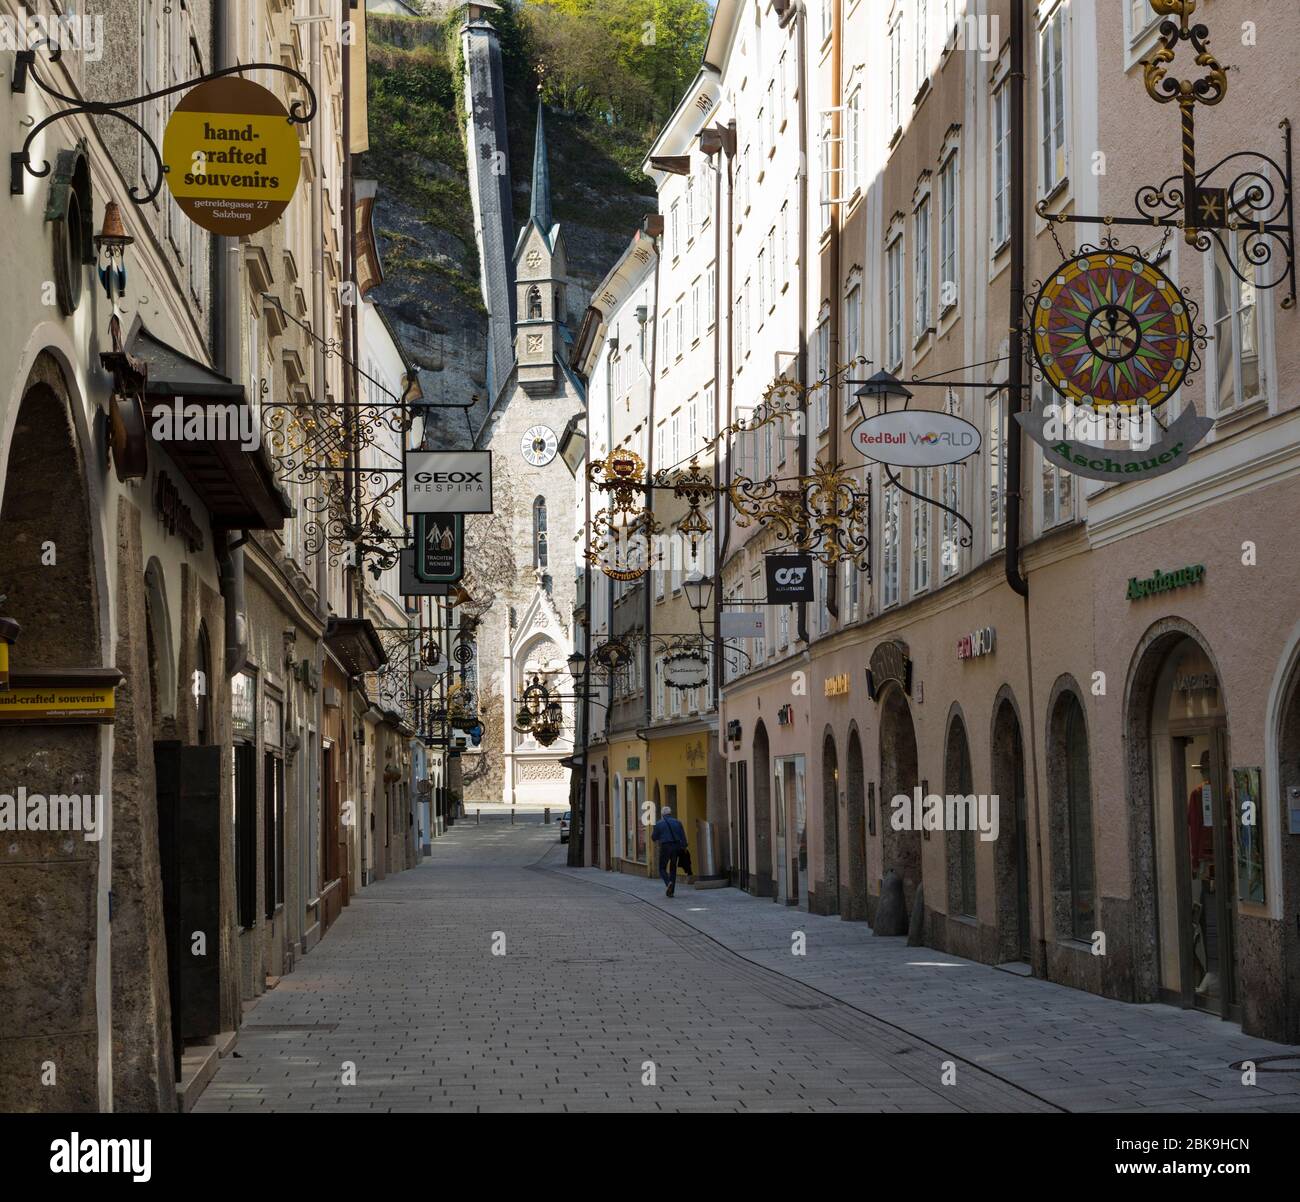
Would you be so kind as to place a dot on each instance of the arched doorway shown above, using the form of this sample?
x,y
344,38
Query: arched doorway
x,y
49,895
1011,852
162,655
1069,782
1281,1019
900,850
1178,724
762,785
829,890
856,814
959,845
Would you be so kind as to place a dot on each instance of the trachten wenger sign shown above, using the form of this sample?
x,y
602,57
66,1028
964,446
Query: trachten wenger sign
x,y
448,481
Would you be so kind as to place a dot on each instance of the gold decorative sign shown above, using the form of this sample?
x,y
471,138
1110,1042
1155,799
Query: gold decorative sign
x,y
837,686
232,156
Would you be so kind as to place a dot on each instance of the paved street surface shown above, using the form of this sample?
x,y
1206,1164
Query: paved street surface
x,y
611,996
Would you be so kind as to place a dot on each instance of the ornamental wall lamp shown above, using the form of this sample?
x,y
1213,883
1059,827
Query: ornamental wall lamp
x,y
699,591
110,247
127,436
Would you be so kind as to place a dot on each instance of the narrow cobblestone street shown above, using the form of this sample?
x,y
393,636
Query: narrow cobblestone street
x,y
603,977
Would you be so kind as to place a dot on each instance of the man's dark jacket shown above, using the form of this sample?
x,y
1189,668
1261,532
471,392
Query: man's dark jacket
x,y
669,831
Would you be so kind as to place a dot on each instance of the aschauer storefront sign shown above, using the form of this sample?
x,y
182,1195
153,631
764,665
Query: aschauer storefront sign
x,y
1164,582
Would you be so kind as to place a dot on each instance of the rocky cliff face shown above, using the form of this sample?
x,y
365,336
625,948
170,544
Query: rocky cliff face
x,y
424,216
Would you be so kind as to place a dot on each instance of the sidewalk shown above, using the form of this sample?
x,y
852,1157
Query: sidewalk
x,y
1074,1049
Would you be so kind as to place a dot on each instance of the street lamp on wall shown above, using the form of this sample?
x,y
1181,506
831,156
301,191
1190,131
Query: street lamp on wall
x,y
883,386
699,591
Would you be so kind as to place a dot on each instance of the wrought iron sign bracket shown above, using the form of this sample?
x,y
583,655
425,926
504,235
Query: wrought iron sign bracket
x,y
1259,202
20,161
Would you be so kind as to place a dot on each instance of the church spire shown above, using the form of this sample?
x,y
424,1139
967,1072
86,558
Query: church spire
x,y
541,207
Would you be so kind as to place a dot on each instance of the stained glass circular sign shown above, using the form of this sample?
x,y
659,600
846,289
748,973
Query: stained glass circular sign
x,y
1111,329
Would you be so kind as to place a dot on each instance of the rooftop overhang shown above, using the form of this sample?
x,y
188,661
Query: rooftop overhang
x,y
235,483
573,443
354,642
370,268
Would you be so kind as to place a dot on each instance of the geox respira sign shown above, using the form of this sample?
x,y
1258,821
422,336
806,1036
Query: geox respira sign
x,y
448,481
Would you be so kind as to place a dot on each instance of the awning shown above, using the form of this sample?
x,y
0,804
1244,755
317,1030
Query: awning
x,y
370,269
236,485
355,643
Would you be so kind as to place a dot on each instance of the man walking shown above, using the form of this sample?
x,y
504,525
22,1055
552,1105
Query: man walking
x,y
671,837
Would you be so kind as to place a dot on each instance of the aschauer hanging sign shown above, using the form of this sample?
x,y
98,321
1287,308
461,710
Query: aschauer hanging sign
x,y
232,156
1115,338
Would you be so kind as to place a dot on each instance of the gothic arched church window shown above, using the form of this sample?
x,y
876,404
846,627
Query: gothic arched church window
x,y
539,533
534,303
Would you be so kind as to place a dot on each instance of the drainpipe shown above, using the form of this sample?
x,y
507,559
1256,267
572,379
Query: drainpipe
x,y
230,564
801,368
1015,381
650,471
352,476
227,277
578,835
723,507
318,286
833,249
1015,373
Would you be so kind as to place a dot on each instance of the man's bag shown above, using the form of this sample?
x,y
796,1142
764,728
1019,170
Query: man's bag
x,y
684,861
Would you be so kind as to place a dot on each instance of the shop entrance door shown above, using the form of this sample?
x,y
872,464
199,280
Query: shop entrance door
x,y
1207,896
782,865
792,832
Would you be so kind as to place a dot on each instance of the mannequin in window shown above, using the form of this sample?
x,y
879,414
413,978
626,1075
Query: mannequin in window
x,y
1200,842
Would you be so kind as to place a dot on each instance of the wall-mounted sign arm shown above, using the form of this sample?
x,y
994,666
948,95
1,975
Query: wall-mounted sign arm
x,y
299,113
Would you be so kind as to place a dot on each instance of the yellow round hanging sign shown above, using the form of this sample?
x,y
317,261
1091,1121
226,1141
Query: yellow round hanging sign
x,y
232,156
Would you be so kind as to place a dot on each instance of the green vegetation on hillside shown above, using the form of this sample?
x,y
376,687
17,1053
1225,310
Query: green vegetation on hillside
x,y
610,74
627,63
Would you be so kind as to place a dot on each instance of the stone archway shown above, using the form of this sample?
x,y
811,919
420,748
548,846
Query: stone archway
x,y
856,814
761,771
1276,1014
1144,749
49,881
901,850
959,845
828,889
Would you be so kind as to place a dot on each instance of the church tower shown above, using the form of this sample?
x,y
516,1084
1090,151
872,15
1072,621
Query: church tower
x,y
540,270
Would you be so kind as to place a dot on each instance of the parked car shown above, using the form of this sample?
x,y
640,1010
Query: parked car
x,y
564,825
